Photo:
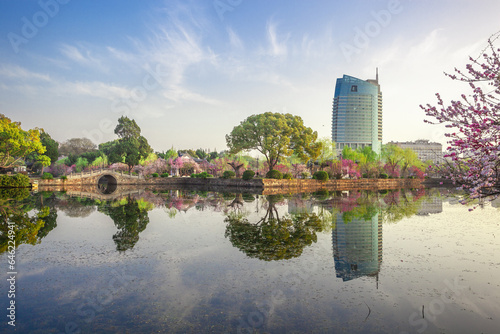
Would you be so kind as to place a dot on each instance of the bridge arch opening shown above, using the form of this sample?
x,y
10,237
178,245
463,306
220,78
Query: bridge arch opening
x,y
107,184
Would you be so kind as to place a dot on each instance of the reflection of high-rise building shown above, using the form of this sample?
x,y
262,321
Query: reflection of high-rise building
x,y
357,247
357,113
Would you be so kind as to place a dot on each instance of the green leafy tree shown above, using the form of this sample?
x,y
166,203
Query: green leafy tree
x,y
393,156
276,136
328,151
16,143
80,164
110,149
131,148
410,158
51,146
360,155
191,152
51,155
399,158
371,155
44,161
170,154
212,156
127,128
201,153
77,146
365,158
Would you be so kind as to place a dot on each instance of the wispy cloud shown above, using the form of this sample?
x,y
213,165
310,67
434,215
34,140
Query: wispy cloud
x,y
177,47
17,72
179,94
28,82
234,40
94,89
122,56
277,44
83,56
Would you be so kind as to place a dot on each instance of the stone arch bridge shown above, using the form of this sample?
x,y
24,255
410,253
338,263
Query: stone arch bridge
x,y
103,176
100,181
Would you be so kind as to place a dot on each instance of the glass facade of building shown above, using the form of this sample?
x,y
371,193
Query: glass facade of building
x,y
357,114
357,247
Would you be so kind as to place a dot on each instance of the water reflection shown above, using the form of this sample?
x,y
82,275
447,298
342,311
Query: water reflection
x,y
197,261
273,227
107,184
26,216
130,217
272,237
431,205
357,247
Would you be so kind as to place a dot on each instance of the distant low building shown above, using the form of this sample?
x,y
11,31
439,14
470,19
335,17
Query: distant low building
x,y
424,149
20,169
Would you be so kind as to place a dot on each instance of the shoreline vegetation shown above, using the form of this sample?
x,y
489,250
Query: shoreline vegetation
x,y
259,185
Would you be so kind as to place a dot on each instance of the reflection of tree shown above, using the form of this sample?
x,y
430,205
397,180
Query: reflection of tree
x,y
365,211
272,237
50,223
130,217
78,207
393,205
401,204
15,213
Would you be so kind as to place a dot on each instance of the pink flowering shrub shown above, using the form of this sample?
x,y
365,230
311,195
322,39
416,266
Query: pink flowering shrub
x,y
159,166
282,168
416,172
392,171
474,123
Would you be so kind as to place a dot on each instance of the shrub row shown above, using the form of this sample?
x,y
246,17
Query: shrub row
x,y
47,176
202,175
274,174
228,174
321,175
248,174
15,181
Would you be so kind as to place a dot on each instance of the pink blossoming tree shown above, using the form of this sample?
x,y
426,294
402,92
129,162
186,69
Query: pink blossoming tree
x,y
474,123
175,165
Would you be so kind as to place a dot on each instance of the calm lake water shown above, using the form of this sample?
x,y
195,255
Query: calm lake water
x,y
178,261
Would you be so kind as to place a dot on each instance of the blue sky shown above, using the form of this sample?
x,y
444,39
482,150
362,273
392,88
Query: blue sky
x,y
189,71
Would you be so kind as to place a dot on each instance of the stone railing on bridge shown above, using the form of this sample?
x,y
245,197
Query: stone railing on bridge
x,y
92,178
101,171
268,186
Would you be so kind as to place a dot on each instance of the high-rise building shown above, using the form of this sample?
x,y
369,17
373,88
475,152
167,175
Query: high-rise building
x,y
357,114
